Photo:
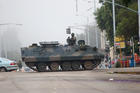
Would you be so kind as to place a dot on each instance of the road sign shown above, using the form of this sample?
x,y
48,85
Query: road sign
x,y
117,44
119,39
120,44
68,31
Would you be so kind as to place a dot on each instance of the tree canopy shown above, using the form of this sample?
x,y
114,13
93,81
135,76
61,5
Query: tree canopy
x,y
126,20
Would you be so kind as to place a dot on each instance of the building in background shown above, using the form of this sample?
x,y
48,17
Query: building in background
x,y
9,42
104,41
90,36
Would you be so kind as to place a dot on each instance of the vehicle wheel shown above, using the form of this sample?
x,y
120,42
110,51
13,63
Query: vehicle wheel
x,y
88,65
3,69
30,64
54,66
95,64
75,65
41,67
66,66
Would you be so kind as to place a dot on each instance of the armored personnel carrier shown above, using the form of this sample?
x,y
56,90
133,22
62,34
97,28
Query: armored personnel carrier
x,y
51,56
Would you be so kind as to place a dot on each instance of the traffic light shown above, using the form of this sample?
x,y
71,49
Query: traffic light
x,y
68,30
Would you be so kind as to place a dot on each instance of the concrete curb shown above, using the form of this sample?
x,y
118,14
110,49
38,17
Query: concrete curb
x,y
135,70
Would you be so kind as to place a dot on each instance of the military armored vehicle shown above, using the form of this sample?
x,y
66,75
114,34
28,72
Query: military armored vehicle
x,y
51,56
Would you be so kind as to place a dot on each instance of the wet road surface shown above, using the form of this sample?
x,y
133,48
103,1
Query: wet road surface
x,y
68,82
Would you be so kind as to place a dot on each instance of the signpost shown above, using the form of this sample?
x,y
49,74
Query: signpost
x,y
119,43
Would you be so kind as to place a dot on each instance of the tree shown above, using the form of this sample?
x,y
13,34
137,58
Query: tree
x,y
126,21
104,20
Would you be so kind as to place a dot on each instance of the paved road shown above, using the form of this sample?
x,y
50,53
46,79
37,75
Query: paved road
x,y
68,82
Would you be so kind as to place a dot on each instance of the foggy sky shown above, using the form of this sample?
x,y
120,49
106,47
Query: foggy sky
x,y
42,20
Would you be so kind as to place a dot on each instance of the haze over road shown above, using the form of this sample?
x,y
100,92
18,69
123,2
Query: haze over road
x,y
43,20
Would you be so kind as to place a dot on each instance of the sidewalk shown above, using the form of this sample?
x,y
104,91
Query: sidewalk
x,y
130,70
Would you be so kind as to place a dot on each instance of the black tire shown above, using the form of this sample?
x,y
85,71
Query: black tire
x,y
66,66
3,69
75,65
95,64
41,67
88,65
54,66
30,64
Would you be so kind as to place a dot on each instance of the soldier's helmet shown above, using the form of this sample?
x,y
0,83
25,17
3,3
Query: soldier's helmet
x,y
72,34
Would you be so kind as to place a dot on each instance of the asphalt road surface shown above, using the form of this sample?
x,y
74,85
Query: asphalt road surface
x,y
68,82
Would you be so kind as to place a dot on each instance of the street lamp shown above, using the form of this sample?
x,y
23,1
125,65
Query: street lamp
x,y
114,24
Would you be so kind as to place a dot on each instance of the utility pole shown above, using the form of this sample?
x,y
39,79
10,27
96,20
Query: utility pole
x,y
76,6
95,25
114,25
88,33
139,21
133,46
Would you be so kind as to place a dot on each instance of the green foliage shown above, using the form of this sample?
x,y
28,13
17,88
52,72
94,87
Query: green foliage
x,y
118,65
128,2
104,20
126,20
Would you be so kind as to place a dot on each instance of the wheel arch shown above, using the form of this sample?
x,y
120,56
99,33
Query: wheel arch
x,y
4,68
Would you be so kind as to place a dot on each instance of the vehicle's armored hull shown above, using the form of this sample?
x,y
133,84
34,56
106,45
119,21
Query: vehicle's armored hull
x,y
63,58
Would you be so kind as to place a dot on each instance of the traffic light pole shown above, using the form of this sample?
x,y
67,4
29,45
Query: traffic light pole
x,y
139,21
114,24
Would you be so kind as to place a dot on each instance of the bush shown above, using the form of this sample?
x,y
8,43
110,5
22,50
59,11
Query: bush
x,y
118,65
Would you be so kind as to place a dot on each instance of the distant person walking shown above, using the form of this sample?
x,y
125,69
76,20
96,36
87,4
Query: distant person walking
x,y
19,64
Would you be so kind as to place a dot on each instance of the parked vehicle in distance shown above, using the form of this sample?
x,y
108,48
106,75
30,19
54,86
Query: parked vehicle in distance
x,y
7,65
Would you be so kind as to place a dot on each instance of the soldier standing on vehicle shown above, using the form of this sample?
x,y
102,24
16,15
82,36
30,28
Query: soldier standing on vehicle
x,y
68,40
73,39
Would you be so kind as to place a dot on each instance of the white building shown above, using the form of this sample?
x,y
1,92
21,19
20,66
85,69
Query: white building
x,y
9,42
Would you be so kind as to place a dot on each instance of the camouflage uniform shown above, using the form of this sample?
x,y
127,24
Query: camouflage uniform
x,y
73,39
68,40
